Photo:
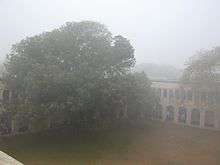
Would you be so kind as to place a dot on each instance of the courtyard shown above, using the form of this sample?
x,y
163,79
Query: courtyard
x,y
155,143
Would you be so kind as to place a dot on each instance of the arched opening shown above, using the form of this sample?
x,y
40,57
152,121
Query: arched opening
x,y
169,113
195,117
182,115
209,119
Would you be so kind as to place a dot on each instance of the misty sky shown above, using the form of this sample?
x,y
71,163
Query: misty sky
x,y
161,31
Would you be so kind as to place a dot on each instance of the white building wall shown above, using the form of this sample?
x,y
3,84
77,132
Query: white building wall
x,y
187,103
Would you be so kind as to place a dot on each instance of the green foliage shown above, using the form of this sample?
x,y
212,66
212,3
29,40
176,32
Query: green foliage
x,y
204,68
77,67
130,92
203,72
54,64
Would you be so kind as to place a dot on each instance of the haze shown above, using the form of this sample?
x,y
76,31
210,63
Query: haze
x,y
162,32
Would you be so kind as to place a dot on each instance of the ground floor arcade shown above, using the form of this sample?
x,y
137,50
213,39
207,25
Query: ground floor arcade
x,y
196,117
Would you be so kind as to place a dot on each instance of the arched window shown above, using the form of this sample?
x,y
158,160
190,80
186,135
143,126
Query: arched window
x,y
195,117
209,119
165,93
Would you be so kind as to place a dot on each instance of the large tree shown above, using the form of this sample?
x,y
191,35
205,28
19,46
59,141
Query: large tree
x,y
203,69
81,68
66,62
203,74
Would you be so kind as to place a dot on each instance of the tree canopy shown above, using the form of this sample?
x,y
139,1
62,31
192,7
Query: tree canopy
x,y
80,65
203,69
75,56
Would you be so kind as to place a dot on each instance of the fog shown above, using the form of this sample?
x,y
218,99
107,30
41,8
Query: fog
x,y
162,32
75,96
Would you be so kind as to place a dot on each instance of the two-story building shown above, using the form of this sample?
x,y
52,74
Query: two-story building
x,y
183,104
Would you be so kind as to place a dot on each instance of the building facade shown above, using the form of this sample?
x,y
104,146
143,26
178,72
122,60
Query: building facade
x,y
182,104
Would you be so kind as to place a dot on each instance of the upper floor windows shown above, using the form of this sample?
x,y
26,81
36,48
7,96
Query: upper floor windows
x,y
177,94
189,95
203,97
171,94
165,93
211,98
183,94
197,96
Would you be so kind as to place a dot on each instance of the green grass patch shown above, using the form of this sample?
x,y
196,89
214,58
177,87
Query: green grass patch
x,y
154,143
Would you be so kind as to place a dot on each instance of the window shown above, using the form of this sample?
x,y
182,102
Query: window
x,y
177,94
165,93
189,95
171,95
209,119
196,97
211,98
195,117
203,97
183,94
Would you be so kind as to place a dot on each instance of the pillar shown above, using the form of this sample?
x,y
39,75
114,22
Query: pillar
x,y
216,120
188,117
176,114
164,113
202,118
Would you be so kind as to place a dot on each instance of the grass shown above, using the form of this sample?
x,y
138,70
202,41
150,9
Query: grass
x,y
156,143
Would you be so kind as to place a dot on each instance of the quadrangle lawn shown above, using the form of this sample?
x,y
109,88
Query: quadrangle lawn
x,y
154,144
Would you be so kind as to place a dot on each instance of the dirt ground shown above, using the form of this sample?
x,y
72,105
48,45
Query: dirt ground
x,y
154,144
